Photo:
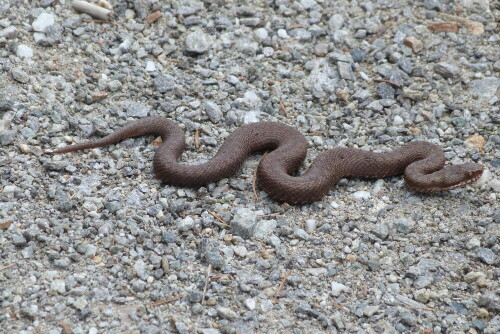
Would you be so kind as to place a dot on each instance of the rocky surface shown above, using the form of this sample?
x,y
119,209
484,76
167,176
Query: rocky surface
x,y
90,242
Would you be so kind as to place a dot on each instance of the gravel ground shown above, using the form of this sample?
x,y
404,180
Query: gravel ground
x,y
90,242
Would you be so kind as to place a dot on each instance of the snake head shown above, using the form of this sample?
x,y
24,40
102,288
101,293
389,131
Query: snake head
x,y
452,177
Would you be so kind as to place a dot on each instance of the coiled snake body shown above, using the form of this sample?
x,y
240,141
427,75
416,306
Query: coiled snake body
x,y
422,163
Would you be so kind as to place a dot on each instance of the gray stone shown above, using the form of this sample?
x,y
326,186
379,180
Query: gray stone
x,y
20,75
357,55
18,240
264,228
336,22
62,263
385,90
244,222
137,110
138,285
345,71
486,255
485,89
42,22
164,83
361,95
445,70
404,225
186,224
381,230
213,112
226,313
198,42
433,4
301,234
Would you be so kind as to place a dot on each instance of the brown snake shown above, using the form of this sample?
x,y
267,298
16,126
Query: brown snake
x,y
422,163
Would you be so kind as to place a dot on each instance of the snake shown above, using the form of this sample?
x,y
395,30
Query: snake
x,y
422,163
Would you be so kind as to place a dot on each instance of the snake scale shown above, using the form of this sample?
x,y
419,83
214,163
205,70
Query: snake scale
x,y
422,163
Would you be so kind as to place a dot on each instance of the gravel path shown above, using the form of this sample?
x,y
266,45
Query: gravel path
x,y
90,242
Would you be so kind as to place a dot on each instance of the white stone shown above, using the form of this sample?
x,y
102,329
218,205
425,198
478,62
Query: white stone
x,y
150,66
250,304
185,224
397,120
261,34
283,34
361,195
338,288
8,32
310,225
43,21
38,36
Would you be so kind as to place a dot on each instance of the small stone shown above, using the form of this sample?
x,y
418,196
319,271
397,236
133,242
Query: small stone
x,y
361,95
62,263
213,112
241,251
24,51
43,21
345,71
186,224
486,255
264,229
18,240
485,89
250,304
415,44
404,225
338,288
361,195
261,34
421,296
381,231
357,55
432,4
336,22
19,75
370,310
473,243
8,32
385,90
476,141
164,83
58,286
137,110
445,70
320,49
28,252
198,42
301,234
491,301
226,313
310,225
473,276
168,237
6,103
138,285
243,223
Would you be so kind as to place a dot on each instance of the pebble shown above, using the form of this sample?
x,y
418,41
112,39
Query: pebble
x,y
445,70
20,75
42,22
339,288
24,51
198,42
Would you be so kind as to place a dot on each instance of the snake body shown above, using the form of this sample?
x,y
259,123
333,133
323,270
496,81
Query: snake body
x,y
422,163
